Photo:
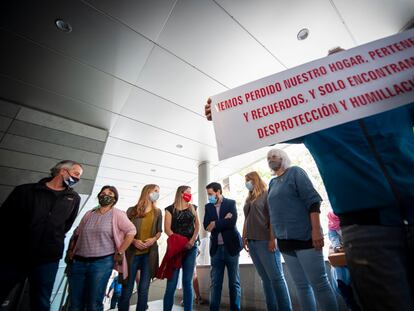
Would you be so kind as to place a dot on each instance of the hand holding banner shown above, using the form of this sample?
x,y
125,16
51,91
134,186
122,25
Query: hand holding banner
x,y
363,81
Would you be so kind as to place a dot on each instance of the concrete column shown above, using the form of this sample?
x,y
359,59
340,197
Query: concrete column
x,y
203,180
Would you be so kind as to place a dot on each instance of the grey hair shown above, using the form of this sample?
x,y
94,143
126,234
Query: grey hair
x,y
282,155
54,171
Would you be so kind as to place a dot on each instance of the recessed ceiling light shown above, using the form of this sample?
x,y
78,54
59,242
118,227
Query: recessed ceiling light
x,y
62,25
179,146
303,34
153,170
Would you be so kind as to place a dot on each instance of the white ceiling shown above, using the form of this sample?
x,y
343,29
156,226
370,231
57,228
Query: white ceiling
x,y
143,69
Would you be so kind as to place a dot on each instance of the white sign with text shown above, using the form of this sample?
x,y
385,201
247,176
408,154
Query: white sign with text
x,y
339,88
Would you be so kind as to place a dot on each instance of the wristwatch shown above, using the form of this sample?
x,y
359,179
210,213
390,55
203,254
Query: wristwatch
x,y
120,253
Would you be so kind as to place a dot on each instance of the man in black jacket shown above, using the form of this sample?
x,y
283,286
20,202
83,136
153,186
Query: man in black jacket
x,y
33,223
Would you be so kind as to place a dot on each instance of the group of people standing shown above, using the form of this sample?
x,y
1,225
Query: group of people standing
x,y
366,166
283,220
108,238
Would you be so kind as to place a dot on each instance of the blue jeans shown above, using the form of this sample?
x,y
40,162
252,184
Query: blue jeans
x,y
270,270
307,268
335,238
381,262
341,283
140,262
41,280
87,281
219,261
188,265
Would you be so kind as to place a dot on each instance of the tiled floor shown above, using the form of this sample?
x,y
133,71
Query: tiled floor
x,y
157,305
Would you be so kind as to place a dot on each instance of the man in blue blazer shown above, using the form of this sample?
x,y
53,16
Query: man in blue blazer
x,y
225,245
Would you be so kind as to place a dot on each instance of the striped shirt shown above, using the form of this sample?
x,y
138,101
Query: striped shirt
x,y
98,238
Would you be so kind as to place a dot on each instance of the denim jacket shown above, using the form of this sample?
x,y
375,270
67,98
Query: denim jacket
x,y
290,197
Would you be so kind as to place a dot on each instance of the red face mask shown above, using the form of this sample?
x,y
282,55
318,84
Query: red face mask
x,y
187,197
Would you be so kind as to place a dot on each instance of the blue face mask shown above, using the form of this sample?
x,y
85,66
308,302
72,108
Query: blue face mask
x,y
212,199
249,185
71,181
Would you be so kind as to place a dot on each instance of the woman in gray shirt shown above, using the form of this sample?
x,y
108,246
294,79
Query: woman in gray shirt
x,y
260,242
294,213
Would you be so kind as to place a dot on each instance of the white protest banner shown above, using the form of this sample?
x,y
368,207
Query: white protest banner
x,y
339,88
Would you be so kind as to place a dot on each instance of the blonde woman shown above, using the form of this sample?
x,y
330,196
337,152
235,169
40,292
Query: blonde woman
x,y
181,218
142,254
259,241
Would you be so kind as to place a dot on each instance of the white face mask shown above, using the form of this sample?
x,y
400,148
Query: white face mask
x,y
154,196
249,185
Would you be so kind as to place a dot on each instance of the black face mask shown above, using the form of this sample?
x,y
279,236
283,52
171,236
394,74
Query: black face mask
x,y
105,200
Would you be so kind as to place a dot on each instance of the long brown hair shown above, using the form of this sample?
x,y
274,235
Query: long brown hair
x,y
144,201
178,201
259,186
